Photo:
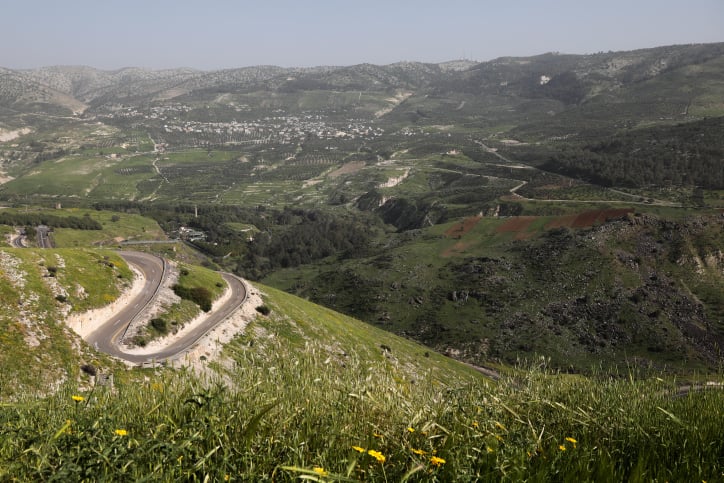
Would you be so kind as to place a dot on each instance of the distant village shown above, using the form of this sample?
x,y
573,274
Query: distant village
x,y
282,129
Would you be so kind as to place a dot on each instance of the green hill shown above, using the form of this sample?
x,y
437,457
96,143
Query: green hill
x,y
635,290
308,393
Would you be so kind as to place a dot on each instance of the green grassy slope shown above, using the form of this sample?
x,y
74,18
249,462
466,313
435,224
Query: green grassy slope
x,y
306,392
37,289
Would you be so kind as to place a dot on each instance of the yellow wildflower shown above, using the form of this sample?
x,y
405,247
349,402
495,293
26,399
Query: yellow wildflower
x,y
227,477
562,447
475,424
377,455
419,451
320,471
121,432
437,461
77,398
410,429
571,440
489,449
358,449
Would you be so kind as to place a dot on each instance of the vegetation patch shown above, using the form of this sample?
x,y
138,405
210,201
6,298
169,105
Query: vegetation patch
x,y
201,296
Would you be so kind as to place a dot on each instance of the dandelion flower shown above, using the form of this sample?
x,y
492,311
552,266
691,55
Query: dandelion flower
x,y
437,461
419,451
571,440
121,432
411,429
359,449
475,424
377,455
320,471
77,398
562,447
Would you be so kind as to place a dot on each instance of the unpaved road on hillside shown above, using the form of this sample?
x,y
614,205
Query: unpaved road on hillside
x,y
107,336
514,191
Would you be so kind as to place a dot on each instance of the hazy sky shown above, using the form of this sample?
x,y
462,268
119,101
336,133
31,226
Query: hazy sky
x,y
211,34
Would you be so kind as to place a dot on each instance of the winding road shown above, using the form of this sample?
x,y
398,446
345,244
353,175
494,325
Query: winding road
x,y
514,190
107,337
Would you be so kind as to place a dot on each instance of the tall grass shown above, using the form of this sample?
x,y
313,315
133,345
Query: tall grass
x,y
275,415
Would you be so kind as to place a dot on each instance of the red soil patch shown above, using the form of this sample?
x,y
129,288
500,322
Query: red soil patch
x,y
560,221
460,229
516,224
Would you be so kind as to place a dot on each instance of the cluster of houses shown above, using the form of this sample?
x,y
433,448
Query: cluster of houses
x,y
282,128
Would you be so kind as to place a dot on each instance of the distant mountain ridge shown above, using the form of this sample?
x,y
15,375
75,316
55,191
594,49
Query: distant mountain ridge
x,y
563,77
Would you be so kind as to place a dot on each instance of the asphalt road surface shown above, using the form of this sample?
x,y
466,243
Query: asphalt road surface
x,y
42,232
106,338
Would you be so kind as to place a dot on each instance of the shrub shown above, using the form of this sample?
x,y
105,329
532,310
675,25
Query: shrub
x,y
89,369
140,340
160,325
199,295
263,309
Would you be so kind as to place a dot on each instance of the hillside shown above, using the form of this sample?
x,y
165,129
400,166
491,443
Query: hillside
x,y
306,392
38,289
341,183
637,290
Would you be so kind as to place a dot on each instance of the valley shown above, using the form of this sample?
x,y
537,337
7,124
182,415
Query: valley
x,y
354,241
328,168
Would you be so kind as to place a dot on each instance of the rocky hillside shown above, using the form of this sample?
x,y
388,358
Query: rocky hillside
x,y
38,289
639,290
